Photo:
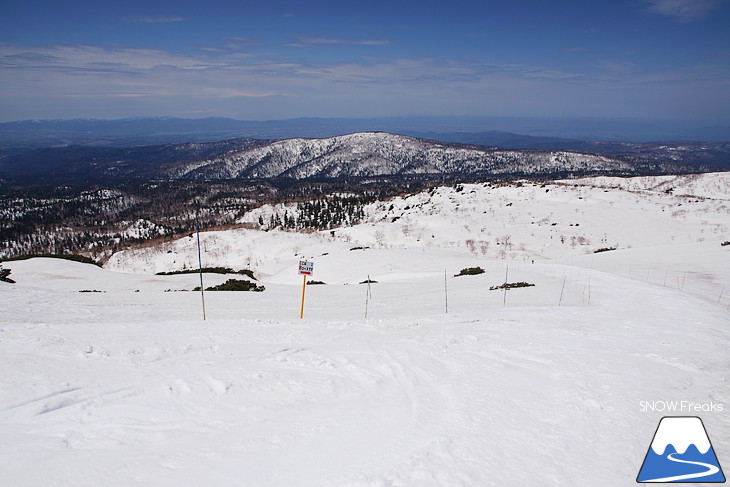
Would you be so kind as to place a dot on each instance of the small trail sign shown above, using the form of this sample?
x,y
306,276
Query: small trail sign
x,y
306,268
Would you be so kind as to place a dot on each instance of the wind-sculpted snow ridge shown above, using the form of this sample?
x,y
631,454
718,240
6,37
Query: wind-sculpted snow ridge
x,y
383,154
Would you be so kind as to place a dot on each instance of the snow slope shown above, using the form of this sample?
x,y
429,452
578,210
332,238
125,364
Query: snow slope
x,y
709,185
520,222
534,386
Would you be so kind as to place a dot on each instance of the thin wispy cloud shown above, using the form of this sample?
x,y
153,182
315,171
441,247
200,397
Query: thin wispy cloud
x,y
233,45
229,83
80,56
616,69
330,41
683,11
228,74
238,93
576,49
319,59
156,20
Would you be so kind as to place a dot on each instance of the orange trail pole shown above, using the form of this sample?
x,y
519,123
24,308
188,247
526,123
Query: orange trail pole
x,y
304,286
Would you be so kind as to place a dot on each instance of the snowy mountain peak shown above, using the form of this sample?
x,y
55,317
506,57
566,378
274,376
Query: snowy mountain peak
x,y
385,154
681,432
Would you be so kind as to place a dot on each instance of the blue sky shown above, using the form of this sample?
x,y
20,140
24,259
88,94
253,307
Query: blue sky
x,y
637,59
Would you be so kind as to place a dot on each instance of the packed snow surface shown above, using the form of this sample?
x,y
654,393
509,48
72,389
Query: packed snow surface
x,y
111,376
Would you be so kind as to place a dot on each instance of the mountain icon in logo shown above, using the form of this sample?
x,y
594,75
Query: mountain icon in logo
x,y
681,452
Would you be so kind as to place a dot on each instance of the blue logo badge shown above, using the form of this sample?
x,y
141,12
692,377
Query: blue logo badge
x,y
681,452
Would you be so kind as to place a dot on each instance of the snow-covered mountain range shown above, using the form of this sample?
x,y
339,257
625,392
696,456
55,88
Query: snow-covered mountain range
x,y
361,154
45,192
384,154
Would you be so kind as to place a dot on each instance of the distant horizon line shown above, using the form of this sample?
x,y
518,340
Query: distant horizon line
x,y
378,117
570,128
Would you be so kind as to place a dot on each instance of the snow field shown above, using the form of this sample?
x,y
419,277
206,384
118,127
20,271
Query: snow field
x,y
128,386
255,396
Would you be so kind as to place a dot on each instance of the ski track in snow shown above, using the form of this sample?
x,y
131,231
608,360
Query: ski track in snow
x,y
129,386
